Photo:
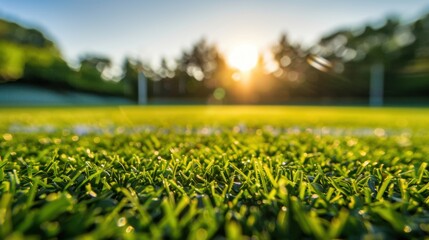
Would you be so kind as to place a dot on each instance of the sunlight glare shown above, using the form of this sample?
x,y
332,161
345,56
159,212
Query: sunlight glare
x,y
243,57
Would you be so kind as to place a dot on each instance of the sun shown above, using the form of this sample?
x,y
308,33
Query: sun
x,y
243,57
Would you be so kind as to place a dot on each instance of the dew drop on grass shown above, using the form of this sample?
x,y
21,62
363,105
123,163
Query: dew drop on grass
x,y
403,141
407,229
129,229
379,132
7,136
121,222
92,194
51,197
44,141
352,142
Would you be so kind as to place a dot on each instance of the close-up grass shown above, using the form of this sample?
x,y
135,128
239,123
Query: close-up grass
x,y
214,172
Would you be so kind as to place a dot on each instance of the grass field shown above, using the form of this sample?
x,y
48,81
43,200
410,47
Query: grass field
x,y
214,172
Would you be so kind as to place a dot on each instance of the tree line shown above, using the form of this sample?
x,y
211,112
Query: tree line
x,y
336,68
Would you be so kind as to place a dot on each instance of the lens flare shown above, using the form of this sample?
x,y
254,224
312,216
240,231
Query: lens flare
x,y
319,63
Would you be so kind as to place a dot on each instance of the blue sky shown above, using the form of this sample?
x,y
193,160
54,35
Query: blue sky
x,y
154,29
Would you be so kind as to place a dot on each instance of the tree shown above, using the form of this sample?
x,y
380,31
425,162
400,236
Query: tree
x,y
199,68
94,65
20,46
291,68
